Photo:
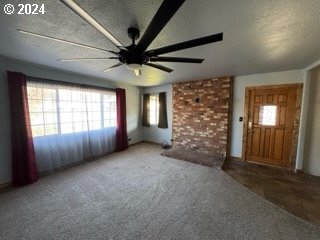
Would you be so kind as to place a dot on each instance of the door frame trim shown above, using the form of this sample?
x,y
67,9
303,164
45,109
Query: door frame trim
x,y
299,86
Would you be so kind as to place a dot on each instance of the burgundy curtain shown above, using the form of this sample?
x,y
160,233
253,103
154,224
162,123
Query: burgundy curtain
x,y
24,169
122,136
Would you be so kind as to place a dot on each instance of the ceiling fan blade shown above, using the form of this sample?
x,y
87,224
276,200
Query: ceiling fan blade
x,y
86,59
89,19
176,59
64,41
163,68
167,9
187,44
112,67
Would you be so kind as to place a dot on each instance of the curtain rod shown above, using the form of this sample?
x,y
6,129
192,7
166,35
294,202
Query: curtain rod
x,y
52,81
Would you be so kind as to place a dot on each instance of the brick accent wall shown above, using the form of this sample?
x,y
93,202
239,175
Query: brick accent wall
x,y
201,115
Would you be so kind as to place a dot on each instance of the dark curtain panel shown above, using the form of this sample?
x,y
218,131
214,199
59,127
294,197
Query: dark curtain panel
x,y
163,122
145,115
24,169
122,136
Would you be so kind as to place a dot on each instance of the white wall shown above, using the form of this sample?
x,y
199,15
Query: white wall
x,y
153,133
6,64
240,84
133,104
311,158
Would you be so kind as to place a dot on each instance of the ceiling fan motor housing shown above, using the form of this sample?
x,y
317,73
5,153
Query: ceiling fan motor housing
x,y
131,55
133,33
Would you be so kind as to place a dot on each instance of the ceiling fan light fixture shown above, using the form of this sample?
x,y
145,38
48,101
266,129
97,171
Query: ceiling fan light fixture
x,y
134,66
137,73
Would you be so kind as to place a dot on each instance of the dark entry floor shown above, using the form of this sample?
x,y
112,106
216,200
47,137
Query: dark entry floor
x,y
297,193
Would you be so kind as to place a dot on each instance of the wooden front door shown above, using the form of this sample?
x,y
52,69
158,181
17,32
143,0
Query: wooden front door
x,y
270,125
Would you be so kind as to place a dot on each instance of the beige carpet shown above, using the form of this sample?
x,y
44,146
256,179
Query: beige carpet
x,y
138,194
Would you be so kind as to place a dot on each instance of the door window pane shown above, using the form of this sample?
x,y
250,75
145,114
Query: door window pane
x,y
268,115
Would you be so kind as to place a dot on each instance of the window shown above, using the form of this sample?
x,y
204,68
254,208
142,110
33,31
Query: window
x,y
268,115
60,109
154,109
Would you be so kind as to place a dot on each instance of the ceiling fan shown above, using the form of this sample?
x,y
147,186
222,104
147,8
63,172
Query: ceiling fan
x,y
136,55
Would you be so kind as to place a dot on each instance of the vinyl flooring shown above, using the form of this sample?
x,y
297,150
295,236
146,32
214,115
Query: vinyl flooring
x,y
299,194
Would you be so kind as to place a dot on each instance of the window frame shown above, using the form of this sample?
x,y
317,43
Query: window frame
x,y
155,121
57,85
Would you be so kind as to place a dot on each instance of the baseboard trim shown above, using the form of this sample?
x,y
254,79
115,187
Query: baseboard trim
x,y
298,171
5,185
156,143
235,159
230,160
144,141
136,143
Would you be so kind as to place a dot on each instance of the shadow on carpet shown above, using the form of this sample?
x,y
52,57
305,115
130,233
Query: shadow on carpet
x,y
209,160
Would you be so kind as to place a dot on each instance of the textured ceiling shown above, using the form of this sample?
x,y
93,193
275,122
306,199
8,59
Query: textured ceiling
x,y
259,36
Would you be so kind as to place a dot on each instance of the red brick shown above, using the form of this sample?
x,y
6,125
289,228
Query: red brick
x,y
201,126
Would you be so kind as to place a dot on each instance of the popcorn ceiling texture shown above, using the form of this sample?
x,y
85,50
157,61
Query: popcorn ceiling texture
x,y
260,36
201,114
